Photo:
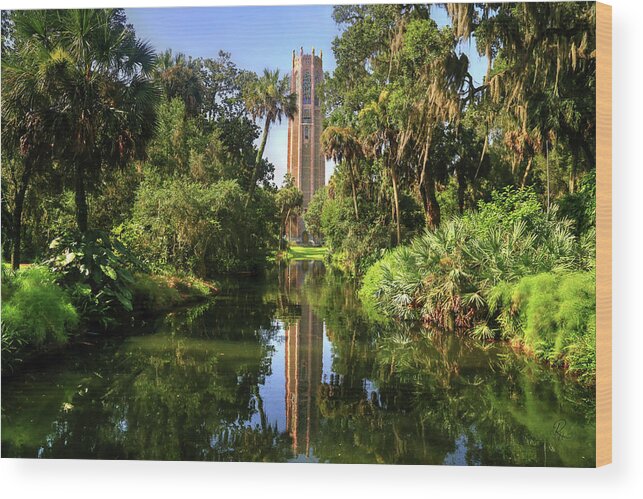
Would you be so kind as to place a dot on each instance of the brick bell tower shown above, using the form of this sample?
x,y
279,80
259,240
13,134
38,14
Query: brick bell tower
x,y
306,162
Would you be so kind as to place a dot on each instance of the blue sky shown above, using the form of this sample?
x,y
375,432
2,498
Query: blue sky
x,y
257,37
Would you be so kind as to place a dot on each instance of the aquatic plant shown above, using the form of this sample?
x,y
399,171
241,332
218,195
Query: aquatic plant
x,y
37,311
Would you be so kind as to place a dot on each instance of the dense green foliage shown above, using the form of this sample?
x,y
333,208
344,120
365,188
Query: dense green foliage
x,y
486,275
455,200
580,206
406,120
554,316
455,266
120,162
36,313
356,245
289,200
193,150
78,93
153,293
35,308
200,228
96,269
313,214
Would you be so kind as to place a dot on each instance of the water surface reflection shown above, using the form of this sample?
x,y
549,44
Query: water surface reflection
x,y
291,368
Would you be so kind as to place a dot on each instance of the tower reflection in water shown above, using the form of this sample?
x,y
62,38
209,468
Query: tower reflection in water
x,y
304,362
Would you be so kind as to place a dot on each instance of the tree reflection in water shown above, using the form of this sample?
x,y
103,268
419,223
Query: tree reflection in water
x,y
292,368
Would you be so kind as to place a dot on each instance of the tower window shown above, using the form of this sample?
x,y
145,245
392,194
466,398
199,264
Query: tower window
x,y
306,133
318,79
306,88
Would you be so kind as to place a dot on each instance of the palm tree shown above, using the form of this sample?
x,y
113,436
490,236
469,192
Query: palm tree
x,y
289,201
21,163
28,131
268,97
180,77
96,74
342,144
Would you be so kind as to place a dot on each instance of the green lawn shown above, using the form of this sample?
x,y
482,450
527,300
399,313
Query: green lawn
x,y
306,253
7,265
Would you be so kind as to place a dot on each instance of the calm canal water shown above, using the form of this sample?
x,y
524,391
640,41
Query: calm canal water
x,y
290,368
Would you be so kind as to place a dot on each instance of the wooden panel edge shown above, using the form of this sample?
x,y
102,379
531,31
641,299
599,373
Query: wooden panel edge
x,y
603,234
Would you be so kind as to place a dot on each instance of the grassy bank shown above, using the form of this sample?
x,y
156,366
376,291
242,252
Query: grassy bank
x,y
39,314
155,293
306,253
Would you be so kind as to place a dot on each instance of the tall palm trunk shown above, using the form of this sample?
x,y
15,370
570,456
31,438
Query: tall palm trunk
x,y
397,204
462,186
81,196
255,172
426,187
282,229
262,413
355,201
17,215
526,174
431,205
352,175
572,177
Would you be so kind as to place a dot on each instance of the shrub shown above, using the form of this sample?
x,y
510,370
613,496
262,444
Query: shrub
x,y
523,276
7,280
448,276
356,245
37,311
554,315
400,281
155,292
313,214
369,292
96,268
509,206
201,229
580,206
